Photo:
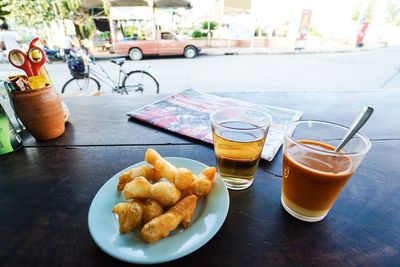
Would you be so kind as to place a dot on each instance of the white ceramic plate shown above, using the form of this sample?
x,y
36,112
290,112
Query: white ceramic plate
x,y
209,216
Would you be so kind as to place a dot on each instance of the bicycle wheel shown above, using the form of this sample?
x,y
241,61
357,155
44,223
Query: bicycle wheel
x,y
79,85
140,82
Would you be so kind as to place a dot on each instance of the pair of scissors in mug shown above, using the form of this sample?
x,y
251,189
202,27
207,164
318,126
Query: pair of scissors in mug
x,y
30,62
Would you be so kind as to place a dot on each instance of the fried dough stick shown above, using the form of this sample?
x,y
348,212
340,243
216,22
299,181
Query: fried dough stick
x,y
164,192
131,214
181,177
137,188
202,184
162,225
149,172
151,209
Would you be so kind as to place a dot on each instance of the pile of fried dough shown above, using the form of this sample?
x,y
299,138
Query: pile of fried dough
x,y
160,197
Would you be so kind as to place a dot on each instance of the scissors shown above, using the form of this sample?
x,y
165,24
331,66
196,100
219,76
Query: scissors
x,y
31,62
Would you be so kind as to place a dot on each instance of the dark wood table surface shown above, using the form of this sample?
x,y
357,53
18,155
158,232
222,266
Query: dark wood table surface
x,y
46,189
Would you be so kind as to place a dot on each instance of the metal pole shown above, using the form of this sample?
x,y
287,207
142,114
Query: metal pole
x,y
208,32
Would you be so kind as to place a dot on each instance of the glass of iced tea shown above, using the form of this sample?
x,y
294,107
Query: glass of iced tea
x,y
239,135
313,174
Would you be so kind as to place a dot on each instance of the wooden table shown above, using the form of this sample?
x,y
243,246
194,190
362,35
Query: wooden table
x,y
46,190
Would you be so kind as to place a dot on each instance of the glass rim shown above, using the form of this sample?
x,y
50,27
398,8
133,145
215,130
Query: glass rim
x,y
267,121
358,134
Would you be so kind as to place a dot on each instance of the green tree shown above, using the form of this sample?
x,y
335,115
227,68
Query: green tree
x,y
393,13
70,9
366,10
3,12
29,13
106,7
213,25
35,13
64,8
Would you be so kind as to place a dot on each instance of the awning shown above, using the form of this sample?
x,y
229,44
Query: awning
x,y
129,3
172,3
155,3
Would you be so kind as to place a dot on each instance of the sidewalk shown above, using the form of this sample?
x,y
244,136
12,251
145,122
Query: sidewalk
x,y
277,46
269,51
283,47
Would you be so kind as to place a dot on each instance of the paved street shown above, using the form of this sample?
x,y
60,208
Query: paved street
x,y
365,70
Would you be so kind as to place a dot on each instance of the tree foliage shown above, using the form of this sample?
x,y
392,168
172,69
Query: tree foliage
x,y
393,13
197,34
36,12
213,25
2,11
106,7
365,11
29,12
65,7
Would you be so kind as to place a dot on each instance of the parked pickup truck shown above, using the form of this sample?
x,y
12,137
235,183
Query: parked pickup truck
x,y
166,43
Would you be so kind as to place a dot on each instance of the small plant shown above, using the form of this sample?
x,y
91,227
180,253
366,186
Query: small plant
x,y
260,32
313,32
197,34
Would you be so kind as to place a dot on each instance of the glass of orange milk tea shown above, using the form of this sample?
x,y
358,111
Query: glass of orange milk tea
x,y
313,174
239,135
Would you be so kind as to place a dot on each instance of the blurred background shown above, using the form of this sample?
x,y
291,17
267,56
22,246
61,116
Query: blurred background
x,y
223,23
273,45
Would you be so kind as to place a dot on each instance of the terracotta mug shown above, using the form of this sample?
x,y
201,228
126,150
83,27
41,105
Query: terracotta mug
x,y
41,112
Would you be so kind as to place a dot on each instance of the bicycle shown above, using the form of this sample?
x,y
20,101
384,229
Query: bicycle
x,y
86,78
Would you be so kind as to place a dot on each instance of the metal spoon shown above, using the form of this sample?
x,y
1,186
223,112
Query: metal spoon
x,y
357,124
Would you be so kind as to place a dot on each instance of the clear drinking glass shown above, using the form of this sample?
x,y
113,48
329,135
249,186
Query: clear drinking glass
x,y
239,134
313,175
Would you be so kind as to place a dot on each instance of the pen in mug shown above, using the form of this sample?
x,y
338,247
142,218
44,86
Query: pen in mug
x,y
7,86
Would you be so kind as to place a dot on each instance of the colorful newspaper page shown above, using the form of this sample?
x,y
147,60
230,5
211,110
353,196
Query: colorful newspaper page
x,y
188,113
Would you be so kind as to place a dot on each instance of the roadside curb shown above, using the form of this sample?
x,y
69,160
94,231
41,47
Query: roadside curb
x,y
252,52
108,57
249,51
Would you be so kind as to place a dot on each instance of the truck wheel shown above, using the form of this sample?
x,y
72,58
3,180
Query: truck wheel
x,y
135,54
190,52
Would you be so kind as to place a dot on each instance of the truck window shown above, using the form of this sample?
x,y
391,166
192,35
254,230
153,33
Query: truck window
x,y
133,30
167,36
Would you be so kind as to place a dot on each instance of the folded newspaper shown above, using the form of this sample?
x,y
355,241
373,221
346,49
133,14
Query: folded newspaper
x,y
188,112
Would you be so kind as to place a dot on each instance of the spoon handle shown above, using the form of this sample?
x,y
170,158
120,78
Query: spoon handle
x,y
357,124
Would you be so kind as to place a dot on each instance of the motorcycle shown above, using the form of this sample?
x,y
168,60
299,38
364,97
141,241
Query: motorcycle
x,y
52,54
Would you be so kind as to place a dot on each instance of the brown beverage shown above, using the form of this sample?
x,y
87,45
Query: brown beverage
x,y
312,182
238,152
